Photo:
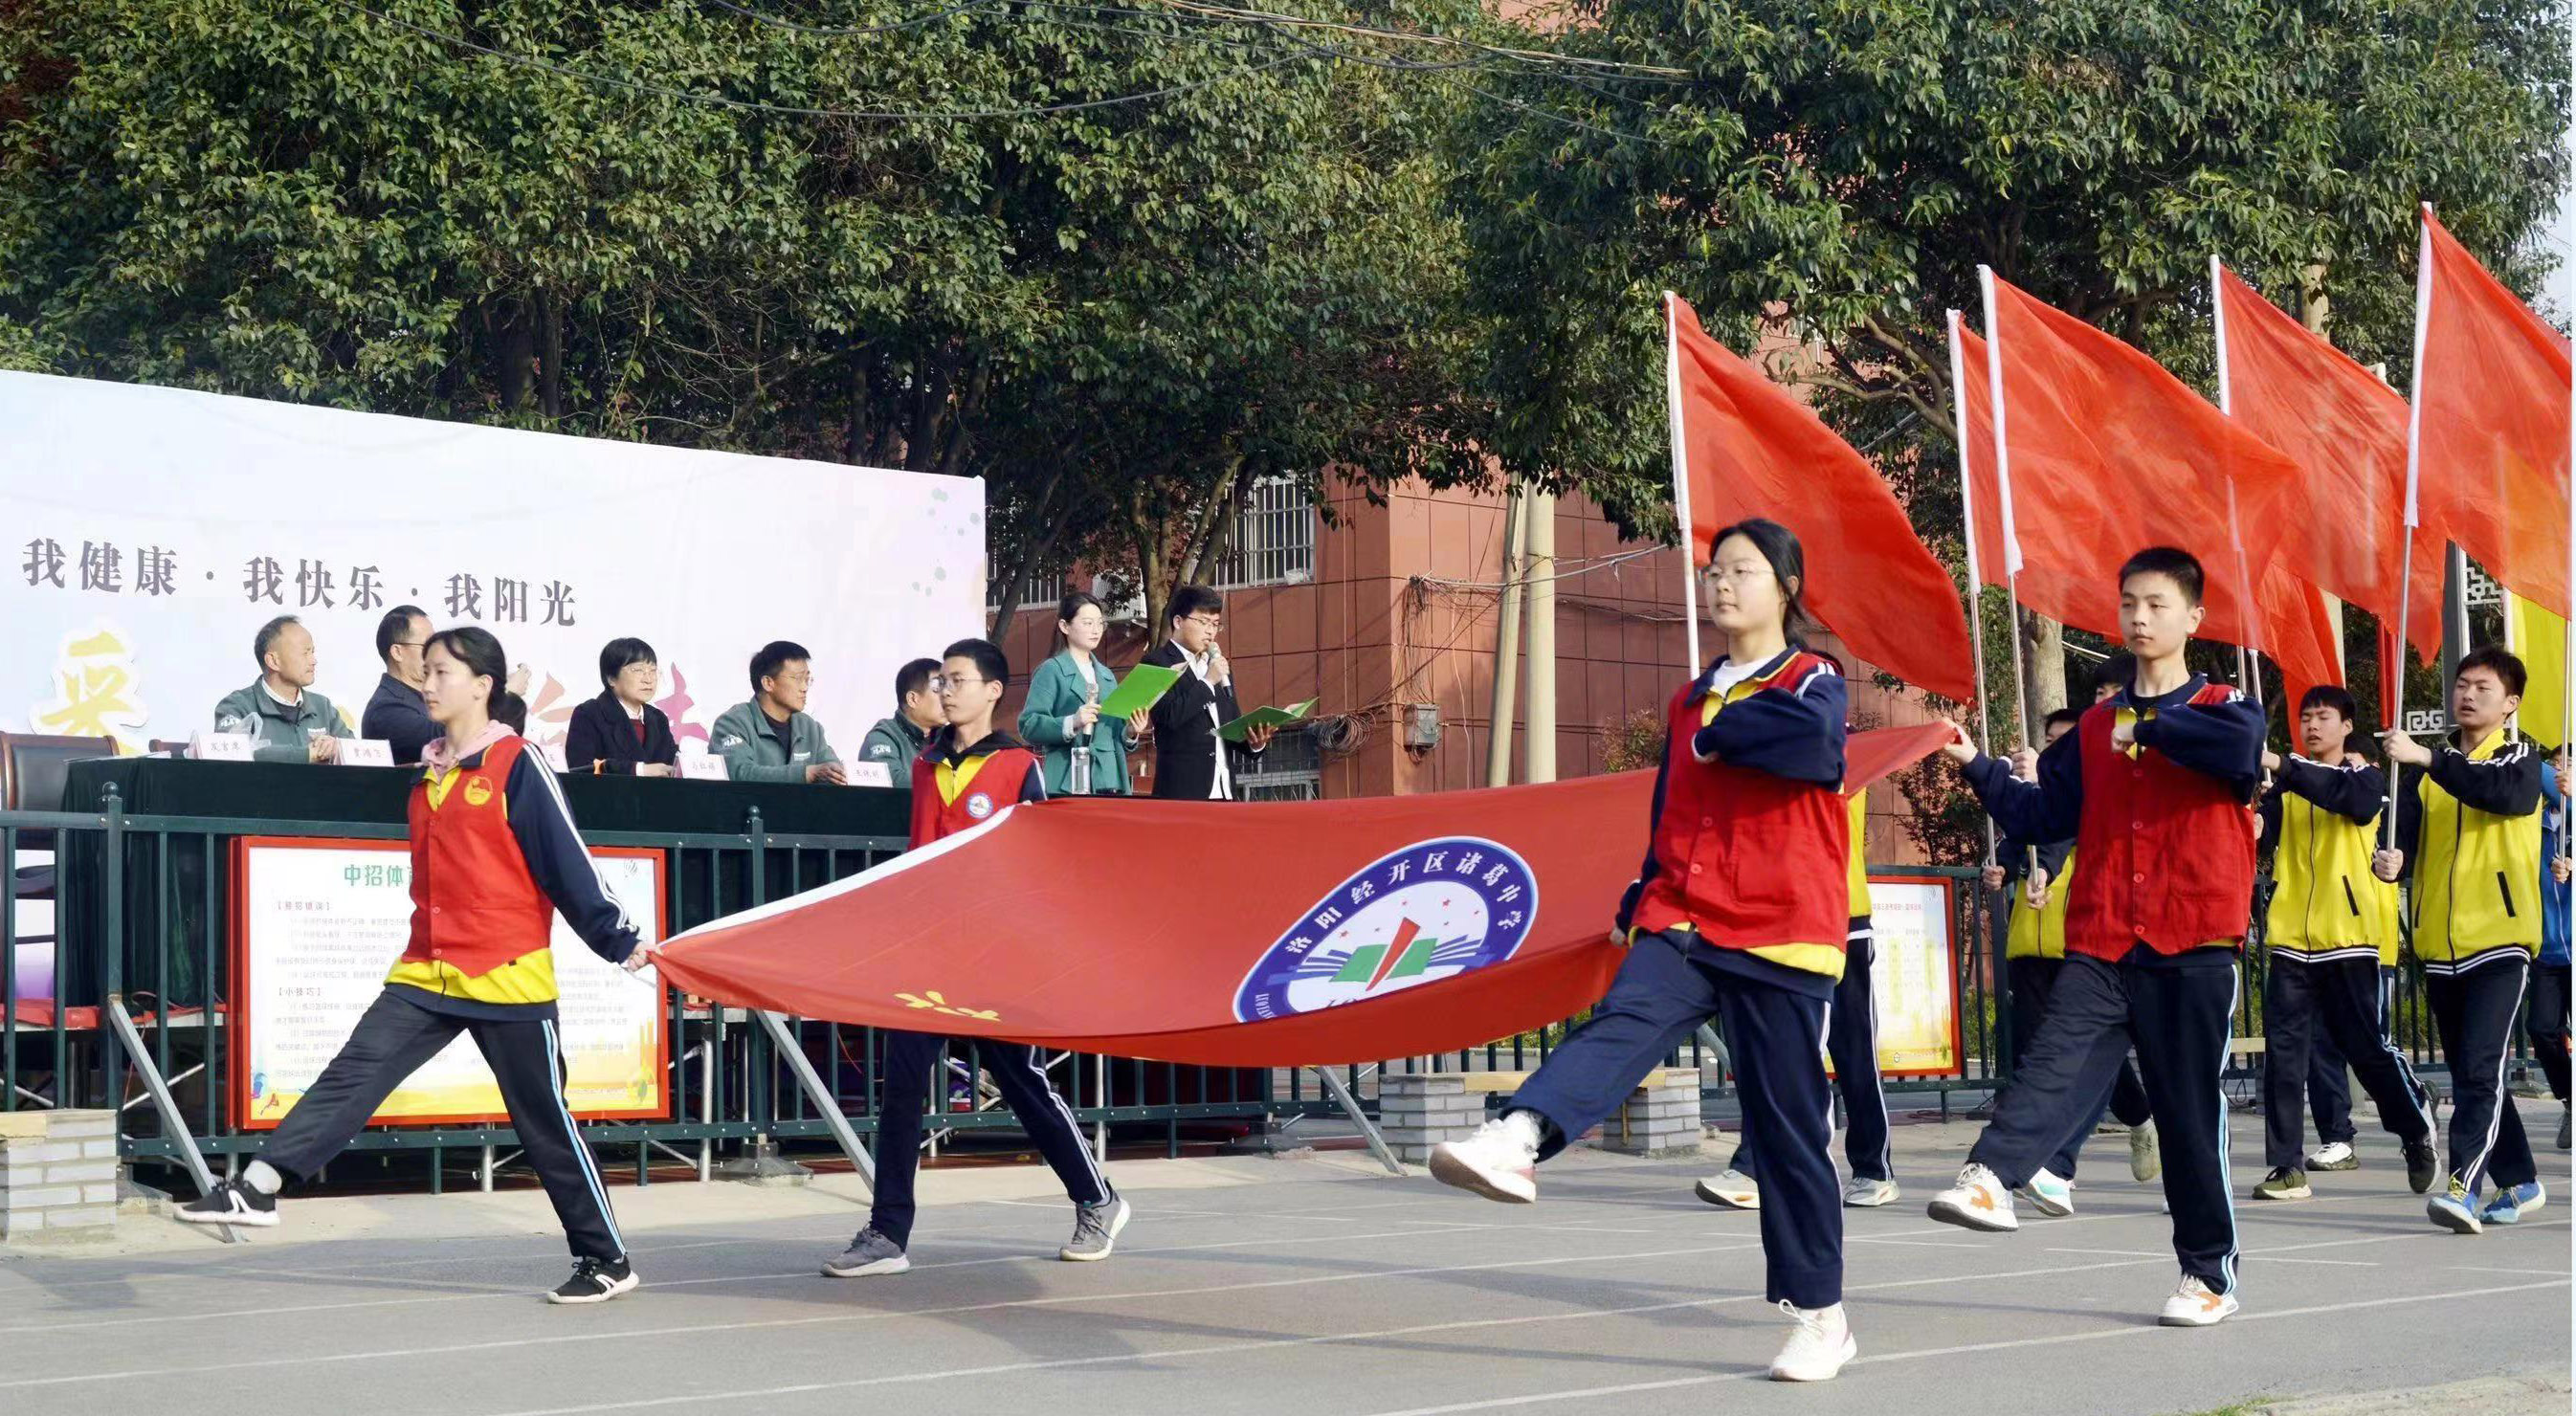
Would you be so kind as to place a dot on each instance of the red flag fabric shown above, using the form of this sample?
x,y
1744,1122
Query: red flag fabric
x,y
2072,595
2491,401
1330,932
2346,429
2106,453
1751,448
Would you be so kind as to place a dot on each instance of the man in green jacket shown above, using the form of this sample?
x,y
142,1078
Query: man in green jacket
x,y
772,738
290,721
898,740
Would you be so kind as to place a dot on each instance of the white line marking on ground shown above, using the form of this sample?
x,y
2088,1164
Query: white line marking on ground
x,y
880,1315
1918,1354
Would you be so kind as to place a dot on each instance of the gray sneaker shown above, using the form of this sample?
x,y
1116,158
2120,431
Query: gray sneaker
x,y
869,1255
2566,1125
1095,1231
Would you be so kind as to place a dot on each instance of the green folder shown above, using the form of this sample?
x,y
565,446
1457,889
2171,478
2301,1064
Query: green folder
x,y
1263,718
1143,687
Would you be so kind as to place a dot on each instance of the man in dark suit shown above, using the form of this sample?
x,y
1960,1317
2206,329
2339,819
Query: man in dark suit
x,y
396,714
1192,763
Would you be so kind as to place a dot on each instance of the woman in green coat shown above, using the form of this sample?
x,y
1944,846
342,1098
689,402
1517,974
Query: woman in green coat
x,y
1062,717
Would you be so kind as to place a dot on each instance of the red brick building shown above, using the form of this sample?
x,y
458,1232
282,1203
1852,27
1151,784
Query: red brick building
x,y
1388,617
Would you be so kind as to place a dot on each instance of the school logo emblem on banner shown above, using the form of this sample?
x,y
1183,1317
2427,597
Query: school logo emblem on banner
x,y
1432,910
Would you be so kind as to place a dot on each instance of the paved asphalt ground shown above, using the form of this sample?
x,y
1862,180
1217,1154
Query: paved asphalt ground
x,y
1307,1285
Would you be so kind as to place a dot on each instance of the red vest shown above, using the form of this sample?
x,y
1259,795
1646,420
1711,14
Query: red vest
x,y
473,904
1748,859
992,785
2163,855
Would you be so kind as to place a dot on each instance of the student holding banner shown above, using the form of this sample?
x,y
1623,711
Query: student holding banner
x,y
494,857
970,772
1740,913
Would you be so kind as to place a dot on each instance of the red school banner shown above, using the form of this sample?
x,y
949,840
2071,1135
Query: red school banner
x,y
1225,934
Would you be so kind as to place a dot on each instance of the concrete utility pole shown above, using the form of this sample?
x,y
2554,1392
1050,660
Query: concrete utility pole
x,y
1507,641
1541,758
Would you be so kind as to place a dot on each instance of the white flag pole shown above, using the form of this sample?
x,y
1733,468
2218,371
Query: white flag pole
x,y
1976,581
2249,667
2012,536
2394,663
1681,476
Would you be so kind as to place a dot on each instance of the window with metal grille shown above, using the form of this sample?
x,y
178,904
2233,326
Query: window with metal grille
x,y
1274,538
1041,588
1292,770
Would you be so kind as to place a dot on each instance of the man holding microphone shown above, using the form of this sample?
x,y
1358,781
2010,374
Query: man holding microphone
x,y
1191,762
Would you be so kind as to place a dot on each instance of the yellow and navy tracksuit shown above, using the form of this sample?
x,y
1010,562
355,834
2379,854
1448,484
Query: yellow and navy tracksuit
x,y
494,857
1741,912
2470,827
2331,927
957,789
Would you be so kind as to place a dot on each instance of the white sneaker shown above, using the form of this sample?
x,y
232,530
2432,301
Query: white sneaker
x,y
1730,1189
1978,1201
1817,1348
2146,1158
2048,1194
1499,1162
1864,1193
2193,1305
2333,1155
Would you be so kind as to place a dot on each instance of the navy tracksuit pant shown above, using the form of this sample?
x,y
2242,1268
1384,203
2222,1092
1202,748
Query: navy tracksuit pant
x,y
2474,1011
2305,1001
2330,1075
2031,981
910,1060
393,1039
1669,985
2178,1012
1851,1044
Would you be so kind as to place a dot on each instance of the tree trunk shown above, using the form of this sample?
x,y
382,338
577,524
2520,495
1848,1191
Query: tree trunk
x,y
856,438
1033,552
550,357
1150,586
2047,660
929,405
513,347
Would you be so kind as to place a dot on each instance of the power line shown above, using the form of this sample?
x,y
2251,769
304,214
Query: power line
x,y
530,61
845,30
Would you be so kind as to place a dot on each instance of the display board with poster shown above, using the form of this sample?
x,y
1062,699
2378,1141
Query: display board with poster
x,y
318,923
1913,980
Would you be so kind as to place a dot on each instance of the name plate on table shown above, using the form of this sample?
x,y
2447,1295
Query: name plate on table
x,y
366,752
222,747
703,767
868,774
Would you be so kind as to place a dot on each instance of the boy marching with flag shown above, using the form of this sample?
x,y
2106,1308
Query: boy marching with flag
x,y
2154,786
2331,928
2468,833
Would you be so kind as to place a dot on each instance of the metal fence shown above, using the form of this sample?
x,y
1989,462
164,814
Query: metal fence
x,y
160,886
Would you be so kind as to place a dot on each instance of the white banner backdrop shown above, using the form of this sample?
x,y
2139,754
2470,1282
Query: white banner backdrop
x,y
149,532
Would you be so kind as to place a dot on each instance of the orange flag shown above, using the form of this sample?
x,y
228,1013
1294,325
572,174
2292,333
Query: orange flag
x,y
2101,452
1748,447
2346,429
2491,424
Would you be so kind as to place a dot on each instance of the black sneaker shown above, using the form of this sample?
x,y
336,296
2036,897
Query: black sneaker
x,y
2423,1165
596,1281
231,1202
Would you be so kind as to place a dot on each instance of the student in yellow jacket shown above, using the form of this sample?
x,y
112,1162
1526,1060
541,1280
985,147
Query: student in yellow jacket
x,y
2331,926
2468,835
